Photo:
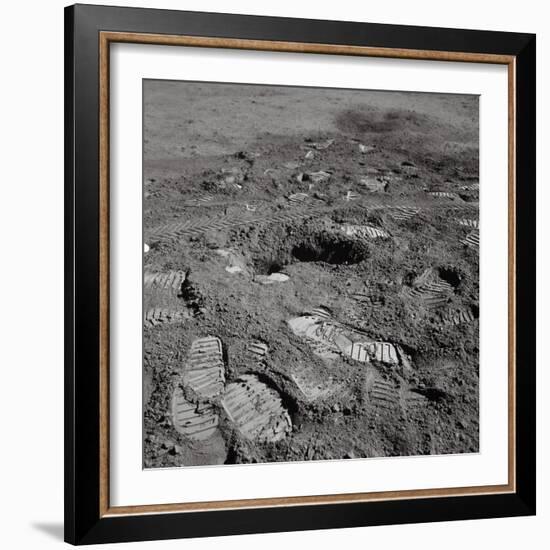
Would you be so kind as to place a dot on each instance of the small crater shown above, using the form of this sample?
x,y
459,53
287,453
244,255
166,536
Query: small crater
x,y
333,248
270,266
433,394
450,275
329,249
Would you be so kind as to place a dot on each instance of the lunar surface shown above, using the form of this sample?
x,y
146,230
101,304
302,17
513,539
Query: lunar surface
x,y
311,274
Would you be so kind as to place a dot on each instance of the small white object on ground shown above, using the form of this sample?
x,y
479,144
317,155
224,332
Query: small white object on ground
x,y
145,247
278,277
365,148
351,196
273,278
236,264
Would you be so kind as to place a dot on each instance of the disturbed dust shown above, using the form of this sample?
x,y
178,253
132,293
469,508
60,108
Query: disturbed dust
x,y
310,274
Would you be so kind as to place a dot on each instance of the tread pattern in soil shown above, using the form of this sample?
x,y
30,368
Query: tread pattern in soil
x,y
157,316
372,301
403,213
204,369
298,197
321,313
383,352
198,201
429,289
468,222
195,421
414,401
256,352
256,410
192,228
457,317
329,339
323,350
443,195
384,393
309,328
365,232
472,240
170,279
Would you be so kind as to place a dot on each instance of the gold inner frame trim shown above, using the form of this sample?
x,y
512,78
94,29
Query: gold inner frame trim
x,y
105,39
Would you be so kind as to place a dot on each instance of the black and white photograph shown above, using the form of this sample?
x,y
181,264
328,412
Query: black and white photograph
x,y
310,273
292,268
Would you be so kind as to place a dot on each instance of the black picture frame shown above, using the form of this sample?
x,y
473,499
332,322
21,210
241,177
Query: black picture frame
x,y
84,523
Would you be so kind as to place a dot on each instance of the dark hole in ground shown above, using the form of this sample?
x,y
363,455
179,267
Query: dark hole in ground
x,y
192,297
469,197
409,278
269,266
331,251
450,275
433,394
231,456
274,267
331,248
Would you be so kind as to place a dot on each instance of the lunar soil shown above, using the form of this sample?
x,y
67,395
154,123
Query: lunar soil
x,y
310,285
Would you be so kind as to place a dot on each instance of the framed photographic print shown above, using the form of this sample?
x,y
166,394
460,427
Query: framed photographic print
x,y
300,284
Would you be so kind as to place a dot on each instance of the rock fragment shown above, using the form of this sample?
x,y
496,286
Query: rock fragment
x,y
321,145
365,148
270,279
